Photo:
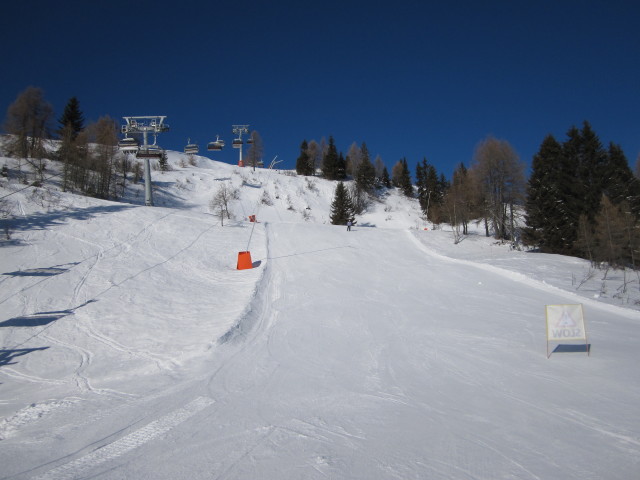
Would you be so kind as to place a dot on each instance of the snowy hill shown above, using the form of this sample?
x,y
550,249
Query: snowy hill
x,y
131,347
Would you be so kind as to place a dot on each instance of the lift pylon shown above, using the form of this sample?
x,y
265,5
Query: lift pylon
x,y
143,126
237,142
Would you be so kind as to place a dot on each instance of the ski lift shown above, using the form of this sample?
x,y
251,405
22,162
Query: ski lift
x,y
150,151
216,145
128,145
191,148
237,143
249,141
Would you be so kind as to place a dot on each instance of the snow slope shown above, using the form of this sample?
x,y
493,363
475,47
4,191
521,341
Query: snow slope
x,y
133,348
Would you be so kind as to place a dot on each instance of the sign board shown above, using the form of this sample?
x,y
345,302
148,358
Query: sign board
x,y
565,322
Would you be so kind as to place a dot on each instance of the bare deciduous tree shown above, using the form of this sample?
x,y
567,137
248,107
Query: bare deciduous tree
x,y
221,200
459,201
500,176
314,151
28,120
256,151
354,157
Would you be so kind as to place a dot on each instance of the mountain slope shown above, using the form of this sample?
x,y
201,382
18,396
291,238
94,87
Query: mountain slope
x,y
133,348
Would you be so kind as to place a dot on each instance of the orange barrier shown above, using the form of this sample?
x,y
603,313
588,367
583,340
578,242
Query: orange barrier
x,y
252,218
244,261
240,163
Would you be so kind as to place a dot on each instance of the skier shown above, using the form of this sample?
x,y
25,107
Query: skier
x,y
349,225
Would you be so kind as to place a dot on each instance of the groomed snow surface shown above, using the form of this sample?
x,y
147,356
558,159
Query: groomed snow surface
x,y
132,347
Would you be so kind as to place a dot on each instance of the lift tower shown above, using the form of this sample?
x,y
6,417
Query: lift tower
x,y
144,126
237,142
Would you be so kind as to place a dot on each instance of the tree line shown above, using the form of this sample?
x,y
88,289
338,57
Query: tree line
x,y
91,162
580,199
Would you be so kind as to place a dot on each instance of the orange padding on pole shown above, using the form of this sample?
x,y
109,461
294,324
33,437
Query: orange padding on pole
x,y
252,218
244,260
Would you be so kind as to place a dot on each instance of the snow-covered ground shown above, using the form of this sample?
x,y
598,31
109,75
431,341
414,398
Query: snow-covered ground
x,y
132,347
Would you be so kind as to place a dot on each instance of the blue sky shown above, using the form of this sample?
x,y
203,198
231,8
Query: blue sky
x,y
414,79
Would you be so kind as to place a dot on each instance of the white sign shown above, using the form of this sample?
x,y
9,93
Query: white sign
x,y
565,322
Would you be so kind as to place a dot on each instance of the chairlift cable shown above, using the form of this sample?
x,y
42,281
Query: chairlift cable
x,y
259,202
31,186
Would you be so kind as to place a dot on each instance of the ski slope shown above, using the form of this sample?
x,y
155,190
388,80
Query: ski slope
x,y
133,348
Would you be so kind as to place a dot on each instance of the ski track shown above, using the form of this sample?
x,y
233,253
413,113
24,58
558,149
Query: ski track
x,y
81,466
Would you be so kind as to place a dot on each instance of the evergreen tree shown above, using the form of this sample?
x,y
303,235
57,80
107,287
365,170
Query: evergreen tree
x,y
405,179
303,163
341,168
330,161
386,181
163,162
365,175
552,210
71,117
619,182
341,206
584,152
431,189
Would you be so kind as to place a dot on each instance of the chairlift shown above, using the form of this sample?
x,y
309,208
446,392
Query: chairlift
x,y
150,151
237,143
249,141
191,148
128,145
216,145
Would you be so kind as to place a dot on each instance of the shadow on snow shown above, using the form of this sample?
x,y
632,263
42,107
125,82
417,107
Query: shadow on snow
x,y
6,356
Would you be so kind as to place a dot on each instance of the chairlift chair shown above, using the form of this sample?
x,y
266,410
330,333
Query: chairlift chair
x,y
191,148
150,151
237,143
128,145
216,145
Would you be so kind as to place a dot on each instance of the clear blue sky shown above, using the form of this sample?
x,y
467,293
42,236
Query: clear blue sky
x,y
412,79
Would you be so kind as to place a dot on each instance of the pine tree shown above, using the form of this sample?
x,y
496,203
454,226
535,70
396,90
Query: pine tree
x,y
163,162
341,167
341,206
431,189
405,179
365,175
552,211
330,161
303,162
592,165
540,205
619,182
71,117
386,181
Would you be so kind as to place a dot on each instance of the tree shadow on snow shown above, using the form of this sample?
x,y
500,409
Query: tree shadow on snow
x,y
35,320
41,319
41,272
6,356
41,221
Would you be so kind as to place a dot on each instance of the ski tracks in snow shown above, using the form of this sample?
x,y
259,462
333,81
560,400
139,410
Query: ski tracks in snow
x,y
82,466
